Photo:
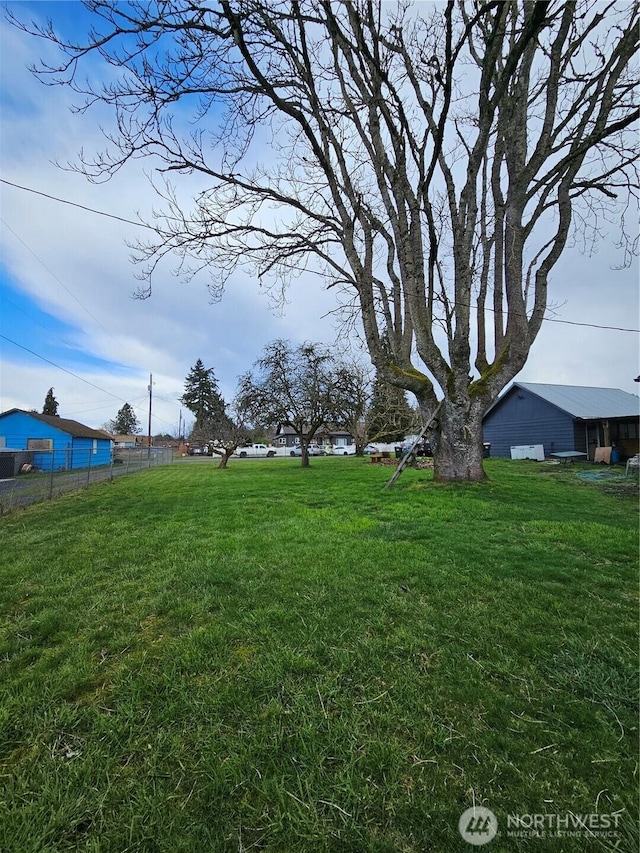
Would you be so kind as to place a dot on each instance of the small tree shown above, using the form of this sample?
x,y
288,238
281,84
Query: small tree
x,y
201,433
50,404
230,433
297,386
355,385
125,422
372,409
221,435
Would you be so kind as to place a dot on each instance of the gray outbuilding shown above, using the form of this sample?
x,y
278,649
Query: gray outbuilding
x,y
563,418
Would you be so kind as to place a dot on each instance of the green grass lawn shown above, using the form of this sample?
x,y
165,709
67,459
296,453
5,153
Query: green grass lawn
x,y
297,661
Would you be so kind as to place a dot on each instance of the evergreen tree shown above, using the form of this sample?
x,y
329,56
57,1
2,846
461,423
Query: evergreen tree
x,y
50,404
125,422
202,398
390,417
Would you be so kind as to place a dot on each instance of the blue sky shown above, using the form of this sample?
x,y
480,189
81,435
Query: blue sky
x,y
67,284
66,281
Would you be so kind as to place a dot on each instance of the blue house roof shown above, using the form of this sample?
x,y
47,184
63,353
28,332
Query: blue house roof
x,y
57,443
73,428
581,401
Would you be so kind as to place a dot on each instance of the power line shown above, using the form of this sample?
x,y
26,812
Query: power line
x,y
134,405
75,375
150,228
64,369
76,204
5,298
92,409
61,283
588,325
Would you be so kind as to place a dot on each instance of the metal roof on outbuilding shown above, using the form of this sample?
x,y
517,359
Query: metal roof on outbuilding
x,y
584,402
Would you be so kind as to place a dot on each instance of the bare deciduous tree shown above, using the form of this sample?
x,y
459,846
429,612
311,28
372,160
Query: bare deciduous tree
x,y
372,409
430,159
355,384
296,386
229,435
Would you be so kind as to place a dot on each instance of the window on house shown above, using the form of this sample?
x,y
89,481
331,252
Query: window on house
x,y
628,430
95,445
41,444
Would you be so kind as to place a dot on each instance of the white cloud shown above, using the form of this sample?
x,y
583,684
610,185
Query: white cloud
x,y
76,266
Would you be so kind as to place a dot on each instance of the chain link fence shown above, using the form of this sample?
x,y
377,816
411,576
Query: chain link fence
x,y
45,478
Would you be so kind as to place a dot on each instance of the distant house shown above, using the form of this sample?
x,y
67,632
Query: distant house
x,y
60,442
286,436
561,418
124,441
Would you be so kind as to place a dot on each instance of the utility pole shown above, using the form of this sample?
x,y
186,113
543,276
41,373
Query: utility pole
x,y
180,429
149,432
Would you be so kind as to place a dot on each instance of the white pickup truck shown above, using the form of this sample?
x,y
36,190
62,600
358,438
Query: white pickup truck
x,y
254,450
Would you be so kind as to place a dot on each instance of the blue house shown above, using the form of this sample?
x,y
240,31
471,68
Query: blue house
x,y
63,443
561,418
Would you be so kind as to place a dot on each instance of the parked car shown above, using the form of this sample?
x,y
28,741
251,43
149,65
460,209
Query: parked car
x,y
421,449
343,449
370,449
312,450
316,450
255,450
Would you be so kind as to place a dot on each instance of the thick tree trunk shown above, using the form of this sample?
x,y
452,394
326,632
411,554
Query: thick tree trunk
x,y
225,455
458,449
225,458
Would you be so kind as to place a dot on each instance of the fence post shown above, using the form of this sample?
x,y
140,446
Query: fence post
x,y
53,456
